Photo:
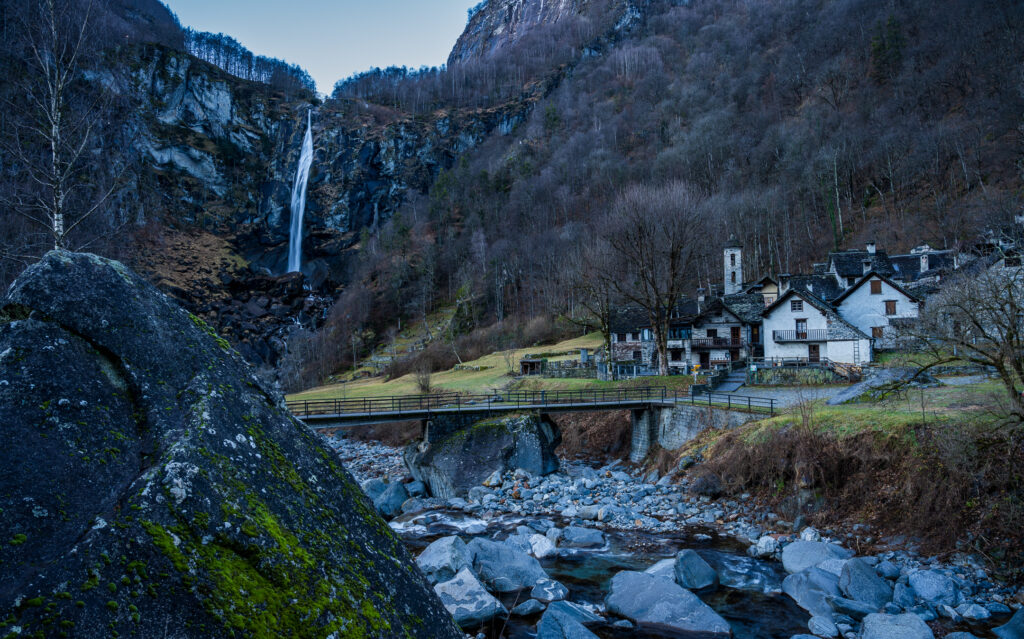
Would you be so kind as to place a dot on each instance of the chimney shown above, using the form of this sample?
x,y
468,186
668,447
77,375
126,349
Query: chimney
x,y
867,265
783,283
924,262
871,247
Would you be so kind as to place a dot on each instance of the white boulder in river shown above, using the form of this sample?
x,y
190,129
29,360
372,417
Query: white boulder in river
x,y
646,599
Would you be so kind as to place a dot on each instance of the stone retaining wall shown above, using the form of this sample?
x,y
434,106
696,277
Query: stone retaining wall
x,y
671,428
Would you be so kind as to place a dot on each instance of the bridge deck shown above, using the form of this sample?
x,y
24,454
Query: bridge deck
x,y
360,412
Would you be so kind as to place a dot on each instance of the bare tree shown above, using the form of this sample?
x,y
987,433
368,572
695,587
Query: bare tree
x,y
653,234
54,142
978,319
586,274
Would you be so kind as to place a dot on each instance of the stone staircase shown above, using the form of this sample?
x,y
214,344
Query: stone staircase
x,y
732,382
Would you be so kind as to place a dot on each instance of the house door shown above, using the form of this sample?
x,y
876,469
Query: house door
x,y
801,329
755,334
705,361
813,353
734,333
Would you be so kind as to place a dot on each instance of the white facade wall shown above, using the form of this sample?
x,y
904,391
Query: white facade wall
x,y
783,318
866,310
849,351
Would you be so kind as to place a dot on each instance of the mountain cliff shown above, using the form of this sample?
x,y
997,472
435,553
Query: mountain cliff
x,y
497,24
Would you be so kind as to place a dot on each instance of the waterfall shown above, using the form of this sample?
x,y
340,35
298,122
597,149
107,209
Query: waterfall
x,y
299,198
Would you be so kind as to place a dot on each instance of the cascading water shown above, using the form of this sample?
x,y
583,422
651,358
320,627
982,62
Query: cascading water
x,y
299,198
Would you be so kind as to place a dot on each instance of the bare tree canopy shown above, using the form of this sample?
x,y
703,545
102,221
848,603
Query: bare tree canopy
x,y
979,319
653,235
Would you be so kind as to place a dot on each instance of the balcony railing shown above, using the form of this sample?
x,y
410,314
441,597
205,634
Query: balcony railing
x,y
813,335
717,342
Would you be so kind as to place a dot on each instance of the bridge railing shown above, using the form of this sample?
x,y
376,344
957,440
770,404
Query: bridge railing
x,y
471,402
729,401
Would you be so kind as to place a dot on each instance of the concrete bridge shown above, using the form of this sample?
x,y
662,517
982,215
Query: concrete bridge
x,y
658,415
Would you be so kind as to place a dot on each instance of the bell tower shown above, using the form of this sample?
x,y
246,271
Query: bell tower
x,y
733,258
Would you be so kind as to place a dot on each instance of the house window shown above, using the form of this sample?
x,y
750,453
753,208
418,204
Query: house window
x,y
636,356
732,262
890,307
801,329
676,355
876,287
796,305
712,333
622,337
876,331
733,277
768,301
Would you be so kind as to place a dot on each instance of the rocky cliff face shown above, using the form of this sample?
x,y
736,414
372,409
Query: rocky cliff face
x,y
222,154
500,23
152,487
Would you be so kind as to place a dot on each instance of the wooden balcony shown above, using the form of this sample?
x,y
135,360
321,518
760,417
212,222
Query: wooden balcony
x,y
813,335
717,342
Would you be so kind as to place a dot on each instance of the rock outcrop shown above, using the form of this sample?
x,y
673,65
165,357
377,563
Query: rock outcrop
x,y
456,457
152,487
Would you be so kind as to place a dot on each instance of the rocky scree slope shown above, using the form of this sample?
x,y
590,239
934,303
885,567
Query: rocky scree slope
x,y
151,486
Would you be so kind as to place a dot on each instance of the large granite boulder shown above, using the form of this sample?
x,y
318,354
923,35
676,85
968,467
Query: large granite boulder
x,y
503,567
647,599
444,558
1013,629
455,457
150,482
812,590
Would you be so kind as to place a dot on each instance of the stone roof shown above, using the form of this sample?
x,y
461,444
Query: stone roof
x,y
628,318
851,263
907,268
824,286
747,307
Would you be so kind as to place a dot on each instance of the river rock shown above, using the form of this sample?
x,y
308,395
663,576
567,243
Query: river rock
x,y
960,635
859,581
541,546
502,567
823,627
374,487
389,503
453,460
468,601
527,608
444,558
908,626
811,590
644,598
934,587
548,590
577,537
853,608
1013,629
559,623
801,555
973,611
140,449
666,569
888,570
766,546
692,572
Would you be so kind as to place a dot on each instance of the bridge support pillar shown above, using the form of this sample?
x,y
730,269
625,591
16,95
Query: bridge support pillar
x,y
645,432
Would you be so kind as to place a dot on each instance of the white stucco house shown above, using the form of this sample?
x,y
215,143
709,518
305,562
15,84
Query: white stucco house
x,y
802,327
876,305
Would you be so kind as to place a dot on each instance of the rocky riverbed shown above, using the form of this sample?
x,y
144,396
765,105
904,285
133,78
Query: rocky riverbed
x,y
608,551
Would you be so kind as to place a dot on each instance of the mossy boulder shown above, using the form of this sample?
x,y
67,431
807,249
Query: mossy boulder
x,y
150,485
450,461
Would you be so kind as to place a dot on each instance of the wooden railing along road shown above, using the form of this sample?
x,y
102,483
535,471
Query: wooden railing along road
x,y
424,405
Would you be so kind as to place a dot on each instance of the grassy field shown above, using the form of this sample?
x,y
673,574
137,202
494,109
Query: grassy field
x,y
488,373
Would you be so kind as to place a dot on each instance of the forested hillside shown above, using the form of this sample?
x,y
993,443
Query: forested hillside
x,y
799,126
803,125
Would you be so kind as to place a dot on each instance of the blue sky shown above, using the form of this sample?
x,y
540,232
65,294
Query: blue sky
x,y
334,38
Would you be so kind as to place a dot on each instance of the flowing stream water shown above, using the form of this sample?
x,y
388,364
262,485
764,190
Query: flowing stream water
x,y
299,198
750,596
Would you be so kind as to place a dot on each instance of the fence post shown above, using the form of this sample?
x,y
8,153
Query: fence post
x,y
729,402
